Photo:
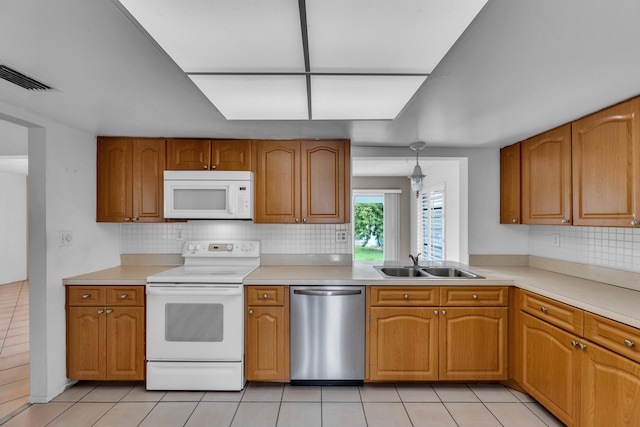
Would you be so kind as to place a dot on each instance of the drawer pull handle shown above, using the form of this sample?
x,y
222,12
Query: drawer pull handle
x,y
123,296
85,296
544,309
406,296
475,296
629,343
265,296
100,311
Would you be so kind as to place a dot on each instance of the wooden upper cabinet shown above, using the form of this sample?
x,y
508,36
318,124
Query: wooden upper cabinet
x,y
302,181
546,177
208,154
606,166
130,181
510,184
324,169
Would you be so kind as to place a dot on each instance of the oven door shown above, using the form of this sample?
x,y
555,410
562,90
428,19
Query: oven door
x,y
194,323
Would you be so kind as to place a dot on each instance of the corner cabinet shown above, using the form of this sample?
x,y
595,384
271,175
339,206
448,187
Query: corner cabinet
x,y
105,332
130,182
606,167
266,333
302,182
209,154
510,184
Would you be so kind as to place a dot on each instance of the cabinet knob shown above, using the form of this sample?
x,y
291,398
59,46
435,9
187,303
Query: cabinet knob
x,y
135,218
515,220
304,220
635,222
582,346
435,312
85,296
250,311
629,343
565,221
205,166
475,296
123,296
213,167
109,311
544,309
574,343
265,296
297,220
100,311
444,312
127,218
406,296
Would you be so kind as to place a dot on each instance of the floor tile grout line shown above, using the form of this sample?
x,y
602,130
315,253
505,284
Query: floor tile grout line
x,y
13,311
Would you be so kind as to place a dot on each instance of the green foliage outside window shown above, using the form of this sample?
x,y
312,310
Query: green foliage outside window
x,y
369,222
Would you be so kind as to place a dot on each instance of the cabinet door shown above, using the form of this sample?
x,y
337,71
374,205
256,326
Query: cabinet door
x,y
510,184
403,344
606,163
188,154
551,368
148,165
546,177
86,337
610,389
473,344
114,201
324,182
125,343
277,182
266,350
231,155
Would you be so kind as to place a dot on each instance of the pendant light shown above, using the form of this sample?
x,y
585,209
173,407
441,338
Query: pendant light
x,y
417,176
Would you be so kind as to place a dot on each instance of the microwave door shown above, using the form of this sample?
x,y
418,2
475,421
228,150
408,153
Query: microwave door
x,y
198,200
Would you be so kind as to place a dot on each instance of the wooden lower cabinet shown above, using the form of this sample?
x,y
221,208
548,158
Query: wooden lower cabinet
x,y
551,368
403,344
267,333
473,343
105,339
610,389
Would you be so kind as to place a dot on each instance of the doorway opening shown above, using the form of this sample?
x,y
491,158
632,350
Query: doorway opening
x,y
368,227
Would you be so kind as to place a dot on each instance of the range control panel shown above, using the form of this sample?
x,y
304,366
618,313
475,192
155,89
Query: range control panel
x,y
227,248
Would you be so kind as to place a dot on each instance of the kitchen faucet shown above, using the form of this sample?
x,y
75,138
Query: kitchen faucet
x,y
415,259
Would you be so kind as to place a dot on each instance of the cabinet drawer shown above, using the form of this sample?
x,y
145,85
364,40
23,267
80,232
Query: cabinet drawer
x,y
474,296
86,295
125,295
396,296
265,295
615,336
564,316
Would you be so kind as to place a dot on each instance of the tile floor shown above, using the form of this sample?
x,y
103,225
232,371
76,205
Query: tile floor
x,y
278,405
14,346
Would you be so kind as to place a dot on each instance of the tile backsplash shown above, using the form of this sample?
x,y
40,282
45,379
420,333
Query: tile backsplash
x,y
617,248
168,238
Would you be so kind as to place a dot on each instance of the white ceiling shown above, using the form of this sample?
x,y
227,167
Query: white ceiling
x,y
521,67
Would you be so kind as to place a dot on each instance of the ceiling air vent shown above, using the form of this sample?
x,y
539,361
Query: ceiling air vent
x,y
21,80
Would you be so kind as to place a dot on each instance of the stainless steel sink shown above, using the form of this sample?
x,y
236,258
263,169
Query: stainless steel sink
x,y
402,272
451,272
426,272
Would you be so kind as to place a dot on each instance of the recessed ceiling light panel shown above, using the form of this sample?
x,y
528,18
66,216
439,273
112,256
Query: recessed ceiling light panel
x,y
256,97
361,97
403,36
225,35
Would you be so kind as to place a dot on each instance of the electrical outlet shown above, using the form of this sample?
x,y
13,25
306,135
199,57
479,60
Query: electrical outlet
x,y
179,235
341,236
556,240
65,238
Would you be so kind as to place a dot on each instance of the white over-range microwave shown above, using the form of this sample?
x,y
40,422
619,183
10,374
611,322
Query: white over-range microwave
x,y
208,195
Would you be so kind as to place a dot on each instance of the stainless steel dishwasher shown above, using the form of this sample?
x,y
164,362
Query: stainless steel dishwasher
x,y
327,335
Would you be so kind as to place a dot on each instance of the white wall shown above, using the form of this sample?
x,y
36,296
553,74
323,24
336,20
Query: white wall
x,y
62,196
13,227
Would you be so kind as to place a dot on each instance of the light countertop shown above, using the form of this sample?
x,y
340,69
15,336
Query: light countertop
x,y
617,303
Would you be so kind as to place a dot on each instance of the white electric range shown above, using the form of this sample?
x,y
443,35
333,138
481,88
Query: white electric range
x,y
195,318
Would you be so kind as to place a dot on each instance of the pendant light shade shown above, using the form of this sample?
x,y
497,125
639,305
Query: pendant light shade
x,y
417,176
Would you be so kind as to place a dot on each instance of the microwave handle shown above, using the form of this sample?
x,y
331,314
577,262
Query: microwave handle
x,y
232,193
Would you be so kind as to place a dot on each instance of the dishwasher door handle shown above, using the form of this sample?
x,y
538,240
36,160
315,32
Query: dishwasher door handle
x,y
325,293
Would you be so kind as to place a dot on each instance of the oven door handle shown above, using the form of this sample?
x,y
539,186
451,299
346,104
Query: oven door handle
x,y
192,291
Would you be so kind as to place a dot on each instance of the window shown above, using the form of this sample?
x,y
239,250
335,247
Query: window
x,y
376,224
431,223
